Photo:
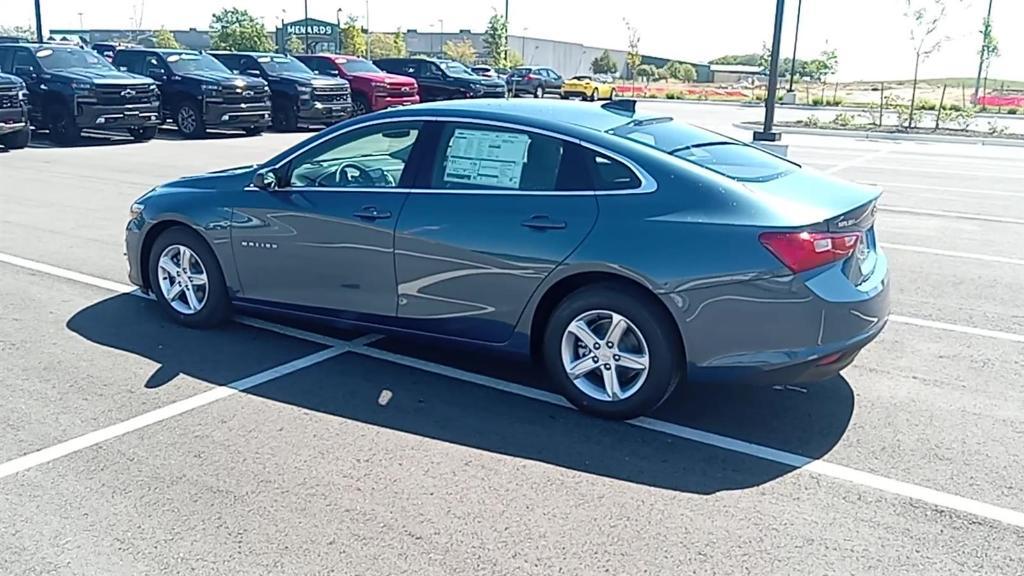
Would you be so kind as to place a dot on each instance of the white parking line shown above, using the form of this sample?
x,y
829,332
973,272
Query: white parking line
x,y
996,334
800,463
945,214
952,253
856,161
943,189
905,168
160,414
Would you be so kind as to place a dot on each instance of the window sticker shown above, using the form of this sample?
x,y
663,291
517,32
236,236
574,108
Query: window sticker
x,y
265,59
44,53
486,158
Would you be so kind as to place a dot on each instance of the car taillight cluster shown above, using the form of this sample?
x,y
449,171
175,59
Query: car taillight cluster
x,y
801,251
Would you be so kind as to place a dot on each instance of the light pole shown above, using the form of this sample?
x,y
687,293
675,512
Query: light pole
x,y
39,23
796,36
305,25
767,135
506,33
441,37
367,29
81,21
986,30
524,43
337,18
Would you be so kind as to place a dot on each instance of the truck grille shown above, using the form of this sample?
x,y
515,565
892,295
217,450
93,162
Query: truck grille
x,y
330,95
253,95
8,98
124,95
401,91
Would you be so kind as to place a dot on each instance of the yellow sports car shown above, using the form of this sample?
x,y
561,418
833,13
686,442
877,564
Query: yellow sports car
x,y
588,88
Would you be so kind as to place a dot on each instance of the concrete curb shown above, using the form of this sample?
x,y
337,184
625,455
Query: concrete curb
x,y
869,135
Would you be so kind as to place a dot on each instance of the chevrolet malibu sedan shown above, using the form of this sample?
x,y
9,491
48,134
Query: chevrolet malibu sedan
x,y
628,253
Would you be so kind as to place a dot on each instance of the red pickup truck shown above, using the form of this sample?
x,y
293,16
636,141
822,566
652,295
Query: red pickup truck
x,y
372,88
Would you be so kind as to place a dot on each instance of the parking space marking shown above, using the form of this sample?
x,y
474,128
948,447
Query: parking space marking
x,y
856,161
160,414
943,189
66,274
359,346
952,253
946,214
904,168
996,334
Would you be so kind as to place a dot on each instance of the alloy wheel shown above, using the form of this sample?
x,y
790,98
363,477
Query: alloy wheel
x,y
183,280
605,355
187,120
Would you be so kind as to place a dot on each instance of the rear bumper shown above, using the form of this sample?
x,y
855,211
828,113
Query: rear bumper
x,y
133,116
13,119
385,102
240,115
519,88
321,112
789,330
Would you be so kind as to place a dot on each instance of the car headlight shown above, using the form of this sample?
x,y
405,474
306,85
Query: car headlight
x,y
211,89
135,211
380,87
304,91
83,88
23,95
476,88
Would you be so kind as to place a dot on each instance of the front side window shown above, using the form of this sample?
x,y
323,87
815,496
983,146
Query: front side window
x,y
717,153
23,60
56,59
479,157
190,62
373,157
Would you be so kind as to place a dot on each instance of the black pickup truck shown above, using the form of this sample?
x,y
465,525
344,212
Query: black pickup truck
x,y
443,79
14,129
198,92
297,95
71,89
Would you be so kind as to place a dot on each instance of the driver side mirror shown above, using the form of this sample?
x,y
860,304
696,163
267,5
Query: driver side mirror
x,y
265,179
25,72
156,74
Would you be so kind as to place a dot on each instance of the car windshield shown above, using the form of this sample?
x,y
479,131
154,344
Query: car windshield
x,y
581,78
283,65
186,62
456,69
359,67
707,149
66,58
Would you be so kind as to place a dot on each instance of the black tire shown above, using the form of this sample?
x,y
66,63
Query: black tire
x,y
594,95
360,105
284,117
666,363
189,119
144,134
611,95
539,92
254,130
63,130
16,140
217,308
564,96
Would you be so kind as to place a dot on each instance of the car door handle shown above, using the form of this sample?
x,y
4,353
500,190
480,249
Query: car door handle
x,y
372,213
543,222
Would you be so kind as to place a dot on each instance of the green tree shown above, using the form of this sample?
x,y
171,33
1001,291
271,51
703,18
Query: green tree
x,y
353,40
26,32
645,72
496,42
387,45
604,64
633,57
238,30
989,50
681,71
764,59
515,59
460,51
163,38
738,59
294,45
661,73
925,17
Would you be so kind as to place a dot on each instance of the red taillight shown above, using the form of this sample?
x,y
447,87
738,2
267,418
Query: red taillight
x,y
529,77
801,251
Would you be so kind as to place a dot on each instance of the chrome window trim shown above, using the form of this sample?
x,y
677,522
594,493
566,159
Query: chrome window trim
x,y
647,183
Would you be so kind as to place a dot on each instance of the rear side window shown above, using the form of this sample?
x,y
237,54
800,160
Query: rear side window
x,y
712,151
479,157
587,169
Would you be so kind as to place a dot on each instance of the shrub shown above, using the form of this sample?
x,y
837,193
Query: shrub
x,y
995,128
927,105
673,95
1015,111
811,121
844,119
952,106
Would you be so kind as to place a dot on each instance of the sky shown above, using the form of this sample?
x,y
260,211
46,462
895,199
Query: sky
x,y
870,36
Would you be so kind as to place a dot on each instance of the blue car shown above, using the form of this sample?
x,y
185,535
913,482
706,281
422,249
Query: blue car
x,y
629,253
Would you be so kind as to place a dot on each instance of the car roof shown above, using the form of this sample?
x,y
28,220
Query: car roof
x,y
160,50
253,54
36,46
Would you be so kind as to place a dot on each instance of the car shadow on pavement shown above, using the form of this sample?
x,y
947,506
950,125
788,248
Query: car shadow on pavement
x,y
807,421
88,139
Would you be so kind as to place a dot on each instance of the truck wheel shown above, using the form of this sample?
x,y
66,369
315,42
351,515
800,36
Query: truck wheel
x,y
63,130
360,105
190,120
144,134
284,117
253,130
16,140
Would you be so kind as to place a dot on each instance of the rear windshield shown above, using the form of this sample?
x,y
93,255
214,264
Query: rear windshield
x,y
520,72
359,67
707,149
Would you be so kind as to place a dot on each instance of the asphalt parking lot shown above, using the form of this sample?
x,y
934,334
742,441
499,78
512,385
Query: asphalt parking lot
x,y
133,446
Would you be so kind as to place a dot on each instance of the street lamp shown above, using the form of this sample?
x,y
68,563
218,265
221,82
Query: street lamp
x,y
39,23
337,17
441,37
305,25
767,135
796,36
524,43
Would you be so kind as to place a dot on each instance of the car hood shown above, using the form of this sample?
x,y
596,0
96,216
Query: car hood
x,y
100,77
224,79
7,81
227,179
312,79
384,77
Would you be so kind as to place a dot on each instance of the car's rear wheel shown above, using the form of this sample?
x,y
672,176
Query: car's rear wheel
x,y
539,92
593,95
612,351
144,134
190,120
187,280
611,95
360,105
16,140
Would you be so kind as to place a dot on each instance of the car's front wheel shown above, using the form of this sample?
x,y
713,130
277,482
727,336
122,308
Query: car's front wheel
x,y
144,134
539,92
190,120
16,140
187,280
612,351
